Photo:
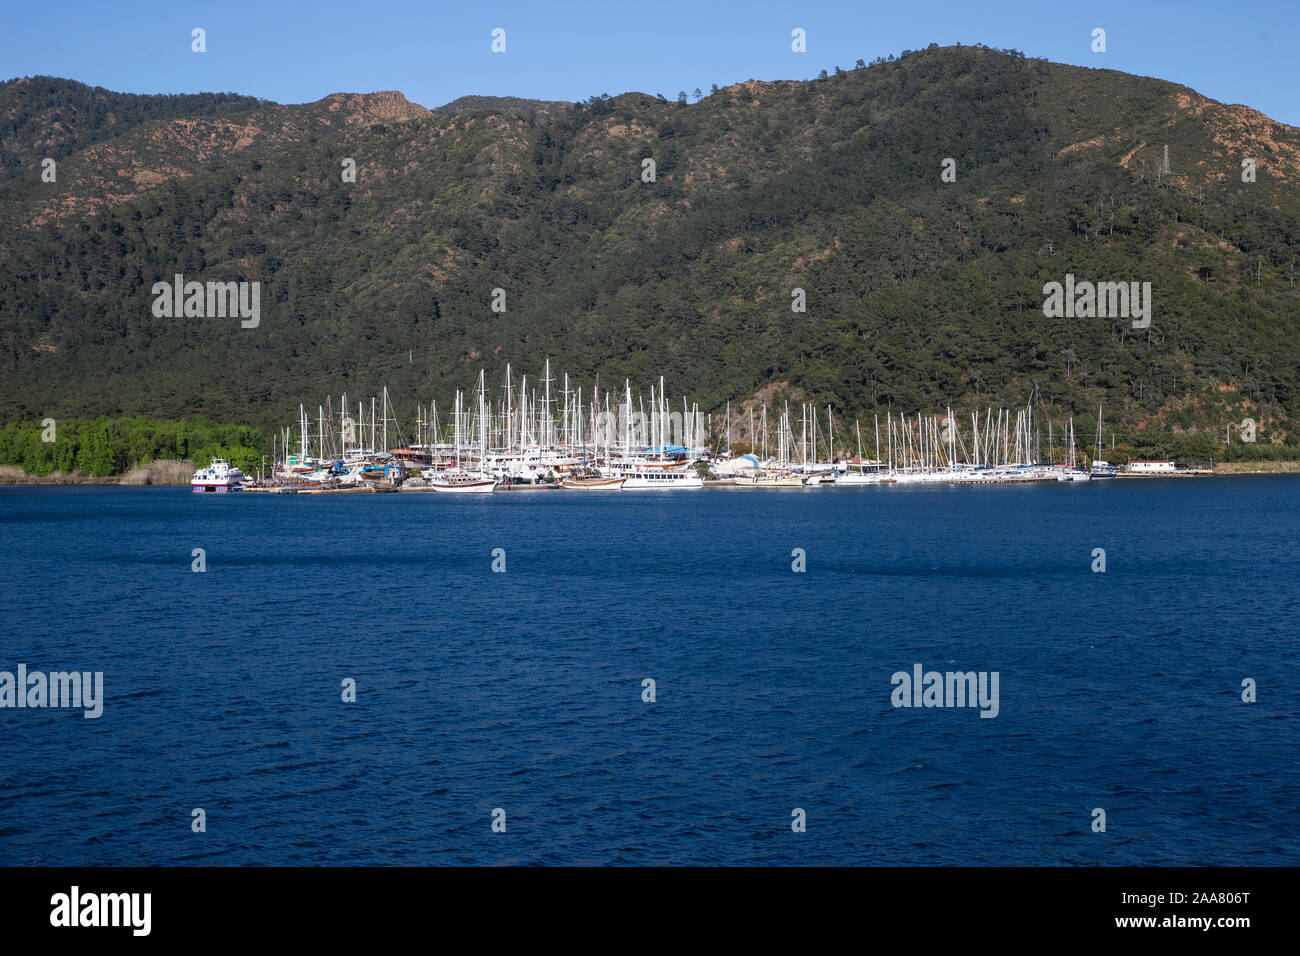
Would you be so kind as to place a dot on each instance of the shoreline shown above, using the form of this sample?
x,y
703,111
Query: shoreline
x,y
170,471
23,480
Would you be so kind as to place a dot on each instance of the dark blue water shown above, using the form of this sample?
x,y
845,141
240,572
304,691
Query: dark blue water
x,y
522,690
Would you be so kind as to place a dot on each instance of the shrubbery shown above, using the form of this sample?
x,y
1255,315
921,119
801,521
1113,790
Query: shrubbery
x,y
110,446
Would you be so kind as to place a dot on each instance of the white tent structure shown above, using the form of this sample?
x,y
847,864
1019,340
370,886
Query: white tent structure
x,y
746,466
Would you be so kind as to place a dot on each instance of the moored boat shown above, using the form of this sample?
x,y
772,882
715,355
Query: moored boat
x,y
859,477
599,483
219,476
643,479
462,482
773,481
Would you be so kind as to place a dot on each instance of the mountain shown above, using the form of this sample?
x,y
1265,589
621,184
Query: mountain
x,y
141,156
530,109
46,116
920,293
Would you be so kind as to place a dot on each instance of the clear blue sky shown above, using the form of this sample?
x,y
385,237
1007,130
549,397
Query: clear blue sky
x,y
296,51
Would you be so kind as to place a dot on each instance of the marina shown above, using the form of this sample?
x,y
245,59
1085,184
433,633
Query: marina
x,y
523,437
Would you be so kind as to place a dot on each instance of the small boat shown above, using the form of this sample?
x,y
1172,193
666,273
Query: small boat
x,y
599,483
457,481
219,476
821,479
1100,468
1073,474
588,477
462,482
775,481
859,478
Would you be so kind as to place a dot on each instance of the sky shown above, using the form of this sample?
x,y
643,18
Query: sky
x,y
297,51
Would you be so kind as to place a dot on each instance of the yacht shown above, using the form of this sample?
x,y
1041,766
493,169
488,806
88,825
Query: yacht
x,y
461,482
218,476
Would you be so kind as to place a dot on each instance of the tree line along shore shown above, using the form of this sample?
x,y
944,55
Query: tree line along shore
x,y
144,451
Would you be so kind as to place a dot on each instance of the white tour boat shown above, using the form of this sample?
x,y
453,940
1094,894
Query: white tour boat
x,y
218,476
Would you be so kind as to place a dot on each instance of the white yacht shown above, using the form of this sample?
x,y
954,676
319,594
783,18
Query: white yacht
x,y
219,476
460,482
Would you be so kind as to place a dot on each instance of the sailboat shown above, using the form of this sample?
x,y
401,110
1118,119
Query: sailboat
x,y
1072,472
593,482
458,480
586,481
861,476
1100,468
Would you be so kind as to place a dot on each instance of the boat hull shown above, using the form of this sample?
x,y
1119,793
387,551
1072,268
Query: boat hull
x,y
851,479
787,481
593,484
464,487
662,482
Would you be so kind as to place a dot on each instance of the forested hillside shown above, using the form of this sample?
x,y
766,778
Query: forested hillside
x,y
920,293
46,116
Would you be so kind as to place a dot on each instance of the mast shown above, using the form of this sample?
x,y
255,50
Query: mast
x,y
803,431
482,423
567,433
830,437
455,417
1098,443
889,438
627,423
951,425
663,400
548,438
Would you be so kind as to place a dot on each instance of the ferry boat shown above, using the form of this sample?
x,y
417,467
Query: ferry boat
x,y
218,476
641,472
641,478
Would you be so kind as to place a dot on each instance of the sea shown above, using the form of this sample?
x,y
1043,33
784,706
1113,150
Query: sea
x,y
658,678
